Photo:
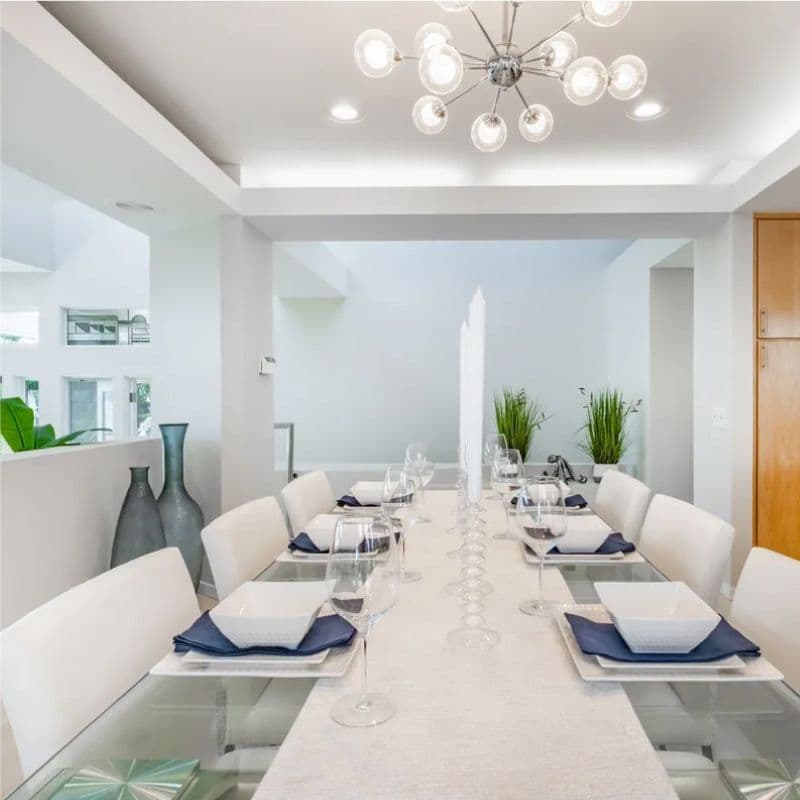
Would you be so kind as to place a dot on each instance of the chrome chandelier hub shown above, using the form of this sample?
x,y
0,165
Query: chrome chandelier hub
x,y
504,71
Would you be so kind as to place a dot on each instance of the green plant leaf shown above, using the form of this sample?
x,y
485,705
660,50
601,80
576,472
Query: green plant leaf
x,y
606,439
43,435
518,419
68,438
16,423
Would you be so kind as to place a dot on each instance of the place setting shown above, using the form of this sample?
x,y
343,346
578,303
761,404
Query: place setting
x,y
657,631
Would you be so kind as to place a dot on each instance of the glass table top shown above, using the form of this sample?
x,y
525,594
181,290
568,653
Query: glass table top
x,y
727,741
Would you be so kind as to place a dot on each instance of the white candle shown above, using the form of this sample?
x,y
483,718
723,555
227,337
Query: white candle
x,y
463,394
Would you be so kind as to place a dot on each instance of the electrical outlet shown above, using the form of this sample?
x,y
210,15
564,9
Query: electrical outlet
x,y
719,417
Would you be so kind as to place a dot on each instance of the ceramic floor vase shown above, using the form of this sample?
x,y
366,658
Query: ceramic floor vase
x,y
139,528
182,517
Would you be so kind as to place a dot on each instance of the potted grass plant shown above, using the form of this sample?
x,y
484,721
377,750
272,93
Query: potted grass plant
x,y
605,435
518,418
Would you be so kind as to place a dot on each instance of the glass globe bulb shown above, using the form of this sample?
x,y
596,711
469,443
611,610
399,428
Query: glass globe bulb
x,y
429,34
627,77
441,68
489,132
429,114
559,50
605,13
375,53
585,80
536,123
454,5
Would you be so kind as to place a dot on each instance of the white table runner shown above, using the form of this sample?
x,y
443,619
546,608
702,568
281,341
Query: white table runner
x,y
516,722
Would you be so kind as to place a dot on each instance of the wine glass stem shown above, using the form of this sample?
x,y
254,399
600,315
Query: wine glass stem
x,y
539,602
364,701
402,555
505,507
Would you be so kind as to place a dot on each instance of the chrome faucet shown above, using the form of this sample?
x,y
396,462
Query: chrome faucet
x,y
563,471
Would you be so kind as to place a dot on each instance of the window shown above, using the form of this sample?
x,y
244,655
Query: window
x,y
30,394
141,420
19,327
91,406
107,326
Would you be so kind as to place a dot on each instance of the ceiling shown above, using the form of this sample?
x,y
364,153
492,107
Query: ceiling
x,y
250,84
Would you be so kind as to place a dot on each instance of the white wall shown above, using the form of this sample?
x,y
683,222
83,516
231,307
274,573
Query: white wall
x,y
58,513
363,376
98,263
723,370
670,397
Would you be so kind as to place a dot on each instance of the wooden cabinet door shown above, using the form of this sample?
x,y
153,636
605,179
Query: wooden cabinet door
x,y
778,265
778,455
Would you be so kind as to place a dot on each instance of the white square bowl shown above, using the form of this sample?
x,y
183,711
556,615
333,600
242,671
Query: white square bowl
x,y
584,535
275,614
321,530
368,493
657,617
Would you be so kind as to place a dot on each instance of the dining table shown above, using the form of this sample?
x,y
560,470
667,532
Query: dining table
x,y
514,721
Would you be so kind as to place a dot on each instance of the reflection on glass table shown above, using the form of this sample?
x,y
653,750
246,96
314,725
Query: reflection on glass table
x,y
581,578
221,724
727,740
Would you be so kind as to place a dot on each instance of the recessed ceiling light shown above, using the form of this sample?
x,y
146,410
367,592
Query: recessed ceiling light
x,y
132,205
345,112
647,110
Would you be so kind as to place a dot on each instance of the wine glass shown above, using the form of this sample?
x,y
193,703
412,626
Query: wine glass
x,y
493,443
417,460
508,474
400,487
362,566
540,519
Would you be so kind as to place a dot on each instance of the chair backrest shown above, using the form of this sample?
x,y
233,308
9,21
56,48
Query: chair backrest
x,y
243,542
67,661
766,607
307,496
687,544
622,502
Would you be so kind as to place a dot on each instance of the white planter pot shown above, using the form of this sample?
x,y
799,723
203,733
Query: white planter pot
x,y
598,470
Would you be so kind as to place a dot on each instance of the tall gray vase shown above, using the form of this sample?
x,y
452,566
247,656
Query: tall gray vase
x,y
139,529
182,517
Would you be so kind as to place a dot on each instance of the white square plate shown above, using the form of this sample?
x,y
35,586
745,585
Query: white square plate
x,y
582,558
753,669
731,662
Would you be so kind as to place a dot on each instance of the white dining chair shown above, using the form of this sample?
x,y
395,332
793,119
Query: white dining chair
x,y
243,542
307,496
622,502
687,544
67,661
766,607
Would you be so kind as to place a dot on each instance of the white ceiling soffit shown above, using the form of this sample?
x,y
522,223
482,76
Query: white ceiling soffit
x,y
72,123
227,75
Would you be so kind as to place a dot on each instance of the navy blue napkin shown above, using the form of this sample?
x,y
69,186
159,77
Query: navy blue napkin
x,y
348,501
205,637
575,501
603,639
615,543
304,544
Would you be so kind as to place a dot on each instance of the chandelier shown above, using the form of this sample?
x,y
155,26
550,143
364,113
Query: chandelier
x,y
442,67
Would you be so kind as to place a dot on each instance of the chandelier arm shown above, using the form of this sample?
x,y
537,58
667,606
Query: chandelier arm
x,y
483,31
575,19
466,91
535,58
519,92
543,73
515,6
496,99
474,58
